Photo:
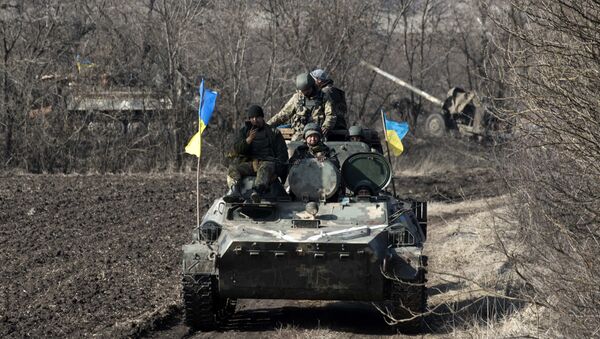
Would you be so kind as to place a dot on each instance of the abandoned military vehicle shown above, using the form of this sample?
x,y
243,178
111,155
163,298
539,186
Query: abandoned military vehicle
x,y
322,241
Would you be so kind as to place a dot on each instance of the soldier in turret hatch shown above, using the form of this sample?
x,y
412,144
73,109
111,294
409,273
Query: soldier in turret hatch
x,y
308,104
355,133
364,188
314,147
260,151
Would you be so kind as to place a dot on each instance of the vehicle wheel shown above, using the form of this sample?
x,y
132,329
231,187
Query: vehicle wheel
x,y
435,125
409,301
202,307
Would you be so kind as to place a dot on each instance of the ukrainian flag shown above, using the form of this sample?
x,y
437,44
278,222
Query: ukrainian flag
x,y
208,98
394,132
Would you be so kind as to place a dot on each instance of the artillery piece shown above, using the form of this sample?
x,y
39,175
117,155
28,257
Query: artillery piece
x,y
459,111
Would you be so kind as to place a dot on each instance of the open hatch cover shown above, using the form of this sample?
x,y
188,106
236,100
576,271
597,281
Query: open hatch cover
x,y
368,167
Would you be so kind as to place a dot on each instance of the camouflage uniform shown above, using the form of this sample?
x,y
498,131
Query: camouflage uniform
x,y
338,97
463,104
300,110
265,157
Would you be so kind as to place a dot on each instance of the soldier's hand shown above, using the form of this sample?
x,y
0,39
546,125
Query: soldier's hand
x,y
324,131
251,136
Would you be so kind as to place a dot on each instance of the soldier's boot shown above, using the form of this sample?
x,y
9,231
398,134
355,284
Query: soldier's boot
x,y
234,194
255,197
258,193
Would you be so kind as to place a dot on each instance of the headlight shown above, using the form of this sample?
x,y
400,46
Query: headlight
x,y
210,231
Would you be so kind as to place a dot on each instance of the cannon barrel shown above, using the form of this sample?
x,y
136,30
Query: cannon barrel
x,y
404,84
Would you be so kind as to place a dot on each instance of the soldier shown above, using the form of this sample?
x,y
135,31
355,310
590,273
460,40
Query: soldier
x,y
338,97
364,189
260,151
355,133
314,147
308,104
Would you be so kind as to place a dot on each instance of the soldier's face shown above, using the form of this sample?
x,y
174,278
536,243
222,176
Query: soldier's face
x,y
308,92
312,139
363,192
355,138
257,121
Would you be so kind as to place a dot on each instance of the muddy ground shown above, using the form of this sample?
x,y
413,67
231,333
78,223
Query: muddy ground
x,y
99,255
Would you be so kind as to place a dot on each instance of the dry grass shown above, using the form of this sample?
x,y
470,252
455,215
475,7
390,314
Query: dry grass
x,y
472,287
424,157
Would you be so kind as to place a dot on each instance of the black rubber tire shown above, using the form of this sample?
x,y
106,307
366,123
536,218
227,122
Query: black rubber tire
x,y
408,300
435,125
203,309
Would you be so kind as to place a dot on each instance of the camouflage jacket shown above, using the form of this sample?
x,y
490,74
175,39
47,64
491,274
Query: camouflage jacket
x,y
278,149
338,98
300,110
305,152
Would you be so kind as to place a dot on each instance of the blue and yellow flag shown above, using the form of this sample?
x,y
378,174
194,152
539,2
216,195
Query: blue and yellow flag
x,y
208,98
394,132
83,64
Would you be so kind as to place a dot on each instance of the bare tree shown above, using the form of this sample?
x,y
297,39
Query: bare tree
x,y
552,62
248,51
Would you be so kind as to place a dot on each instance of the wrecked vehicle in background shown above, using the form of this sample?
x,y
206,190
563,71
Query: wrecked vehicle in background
x,y
323,241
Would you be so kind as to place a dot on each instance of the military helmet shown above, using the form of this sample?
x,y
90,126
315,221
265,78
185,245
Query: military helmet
x,y
311,128
365,184
355,131
304,81
320,75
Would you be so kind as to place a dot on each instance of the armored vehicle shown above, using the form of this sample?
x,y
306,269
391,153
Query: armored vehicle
x,y
334,234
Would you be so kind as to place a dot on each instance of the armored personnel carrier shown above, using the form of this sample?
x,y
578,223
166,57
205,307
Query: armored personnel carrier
x,y
336,234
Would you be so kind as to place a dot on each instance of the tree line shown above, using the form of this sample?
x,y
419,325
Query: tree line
x,y
248,51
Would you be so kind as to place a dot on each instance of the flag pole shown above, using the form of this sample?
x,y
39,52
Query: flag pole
x,y
387,144
198,192
201,96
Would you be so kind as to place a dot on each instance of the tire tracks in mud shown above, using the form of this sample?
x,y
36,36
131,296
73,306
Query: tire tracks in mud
x,y
278,318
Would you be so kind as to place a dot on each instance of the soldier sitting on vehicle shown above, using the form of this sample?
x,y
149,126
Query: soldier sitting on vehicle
x,y
314,147
308,104
338,97
260,151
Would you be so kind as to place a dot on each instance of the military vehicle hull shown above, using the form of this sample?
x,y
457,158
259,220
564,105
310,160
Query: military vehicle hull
x,y
372,254
337,235
318,271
